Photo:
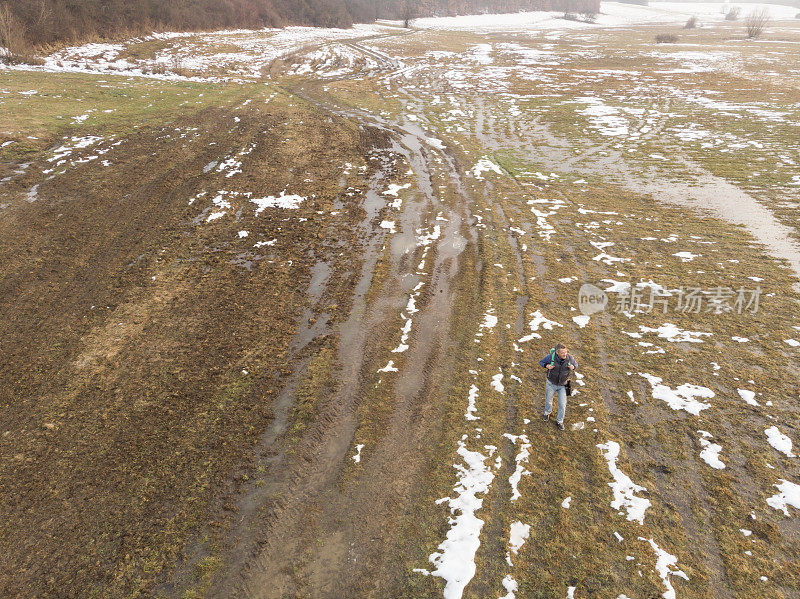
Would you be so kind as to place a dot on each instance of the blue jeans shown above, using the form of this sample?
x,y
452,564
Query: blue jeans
x,y
549,390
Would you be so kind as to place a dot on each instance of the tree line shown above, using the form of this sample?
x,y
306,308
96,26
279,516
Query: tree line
x,y
47,22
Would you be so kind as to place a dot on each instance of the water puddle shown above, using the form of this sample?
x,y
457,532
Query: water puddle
x,y
320,273
309,329
729,203
704,192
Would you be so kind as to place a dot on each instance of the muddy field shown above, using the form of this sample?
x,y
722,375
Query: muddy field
x,y
273,305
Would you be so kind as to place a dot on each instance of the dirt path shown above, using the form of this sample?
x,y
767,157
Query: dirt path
x,y
316,529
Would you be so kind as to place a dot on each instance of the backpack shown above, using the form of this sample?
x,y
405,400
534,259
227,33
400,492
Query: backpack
x,y
568,384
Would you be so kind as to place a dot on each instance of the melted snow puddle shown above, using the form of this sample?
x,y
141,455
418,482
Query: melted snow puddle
x,y
33,194
730,203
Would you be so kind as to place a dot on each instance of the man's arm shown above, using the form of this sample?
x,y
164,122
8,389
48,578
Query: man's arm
x,y
573,362
544,361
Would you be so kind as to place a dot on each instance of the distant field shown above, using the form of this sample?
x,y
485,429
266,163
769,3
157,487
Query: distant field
x,y
273,306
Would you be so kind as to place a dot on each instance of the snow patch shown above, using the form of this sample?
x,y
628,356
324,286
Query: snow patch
x,y
665,567
710,452
471,407
789,496
289,202
674,334
682,398
517,536
357,457
780,441
521,458
581,320
623,487
389,367
748,396
485,165
455,560
497,382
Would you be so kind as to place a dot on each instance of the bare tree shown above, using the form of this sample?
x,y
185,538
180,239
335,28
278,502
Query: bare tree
x,y
409,13
43,13
732,14
12,41
755,22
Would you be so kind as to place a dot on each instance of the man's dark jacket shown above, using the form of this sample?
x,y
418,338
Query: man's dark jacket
x,y
561,372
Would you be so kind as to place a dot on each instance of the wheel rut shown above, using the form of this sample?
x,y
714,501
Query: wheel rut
x,y
307,529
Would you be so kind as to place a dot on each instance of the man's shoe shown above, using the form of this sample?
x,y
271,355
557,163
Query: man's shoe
x,y
560,426
545,417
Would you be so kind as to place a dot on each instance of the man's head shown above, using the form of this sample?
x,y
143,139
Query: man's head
x,y
561,350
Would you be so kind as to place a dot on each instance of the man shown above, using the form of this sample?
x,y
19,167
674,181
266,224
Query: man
x,y
559,365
